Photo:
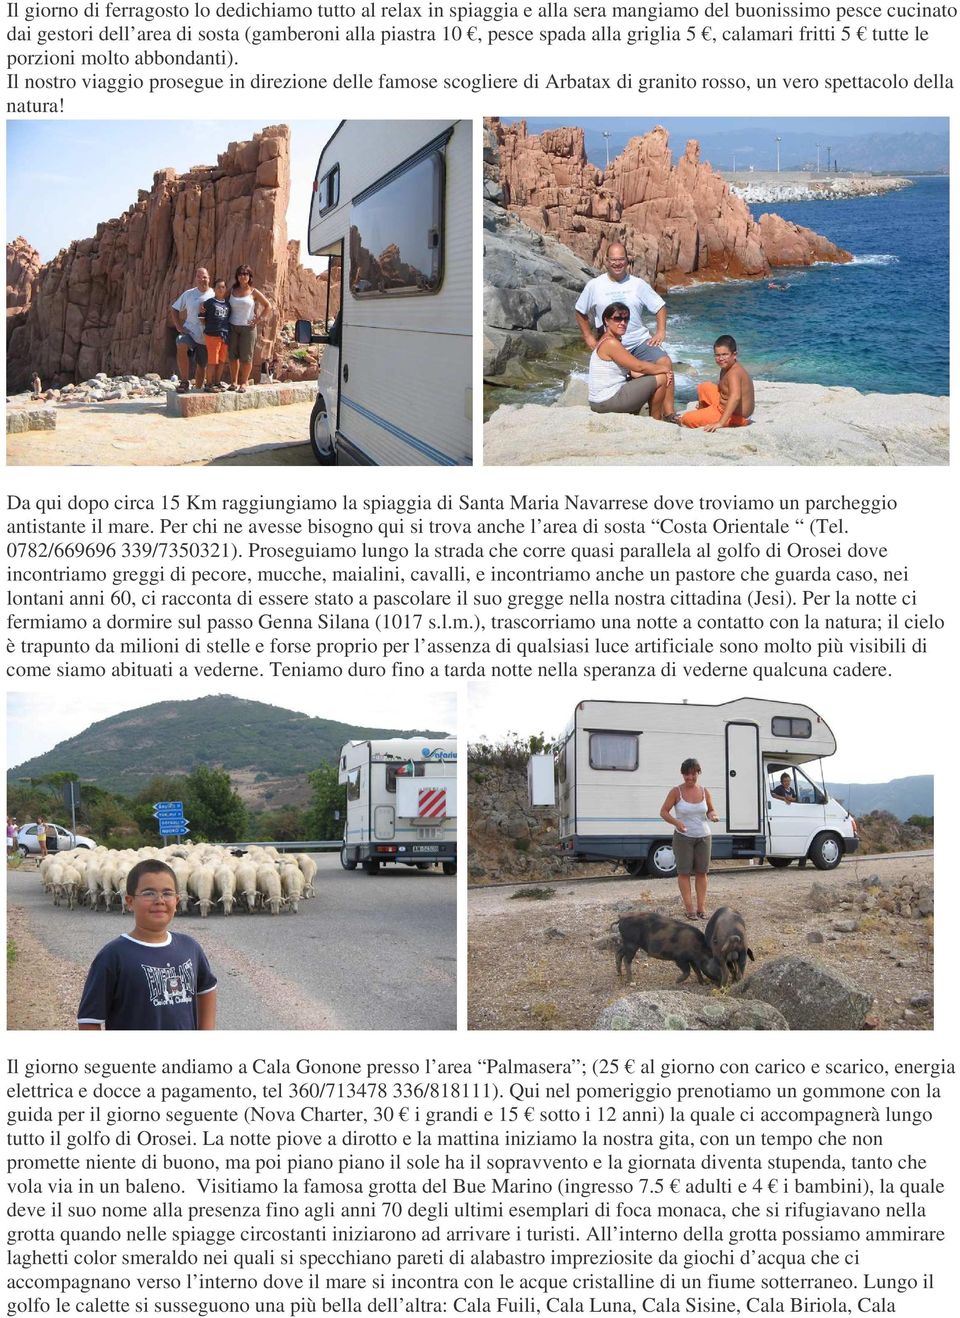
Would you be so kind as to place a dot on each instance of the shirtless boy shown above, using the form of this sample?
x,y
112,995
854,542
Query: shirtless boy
x,y
730,401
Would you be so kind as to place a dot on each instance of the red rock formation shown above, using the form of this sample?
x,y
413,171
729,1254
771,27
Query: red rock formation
x,y
102,304
23,266
680,222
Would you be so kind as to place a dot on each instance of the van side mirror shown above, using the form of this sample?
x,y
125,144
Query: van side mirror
x,y
304,333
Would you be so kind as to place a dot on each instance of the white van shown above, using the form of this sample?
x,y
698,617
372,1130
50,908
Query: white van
x,y
401,803
391,209
617,761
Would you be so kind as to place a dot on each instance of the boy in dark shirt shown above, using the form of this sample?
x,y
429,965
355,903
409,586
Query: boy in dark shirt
x,y
215,314
150,979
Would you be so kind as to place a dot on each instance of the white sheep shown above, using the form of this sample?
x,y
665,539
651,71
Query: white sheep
x,y
247,884
200,884
91,877
308,868
72,883
291,885
268,885
224,885
53,880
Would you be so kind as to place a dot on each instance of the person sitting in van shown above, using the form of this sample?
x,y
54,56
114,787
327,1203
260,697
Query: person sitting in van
x,y
784,791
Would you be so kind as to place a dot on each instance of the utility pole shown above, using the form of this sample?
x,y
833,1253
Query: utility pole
x,y
778,155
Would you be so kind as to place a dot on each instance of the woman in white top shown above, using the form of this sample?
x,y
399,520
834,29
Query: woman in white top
x,y
620,382
248,307
688,808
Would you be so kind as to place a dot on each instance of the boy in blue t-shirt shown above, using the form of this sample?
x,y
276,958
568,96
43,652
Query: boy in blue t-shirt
x,y
215,314
150,979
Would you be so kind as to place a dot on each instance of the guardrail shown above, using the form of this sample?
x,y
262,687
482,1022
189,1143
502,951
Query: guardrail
x,y
315,844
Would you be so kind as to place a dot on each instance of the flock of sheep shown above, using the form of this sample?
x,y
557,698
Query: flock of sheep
x,y
260,878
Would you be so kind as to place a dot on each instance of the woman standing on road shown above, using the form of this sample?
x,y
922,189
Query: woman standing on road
x,y
689,808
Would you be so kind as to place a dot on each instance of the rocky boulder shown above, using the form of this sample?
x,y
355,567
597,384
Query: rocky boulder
x,y
687,1011
680,222
102,304
808,995
530,285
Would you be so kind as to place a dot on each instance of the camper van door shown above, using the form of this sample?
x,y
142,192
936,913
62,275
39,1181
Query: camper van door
x,y
743,778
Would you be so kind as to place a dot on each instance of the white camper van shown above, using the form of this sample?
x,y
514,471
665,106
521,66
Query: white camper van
x,y
391,208
401,803
617,761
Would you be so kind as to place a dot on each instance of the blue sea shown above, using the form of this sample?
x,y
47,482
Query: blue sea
x,y
878,324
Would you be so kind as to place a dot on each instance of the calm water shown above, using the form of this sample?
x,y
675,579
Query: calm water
x,y
879,324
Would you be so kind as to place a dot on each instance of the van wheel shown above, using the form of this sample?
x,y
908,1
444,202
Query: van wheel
x,y
779,862
449,867
635,868
321,436
371,866
826,851
347,859
661,862
24,852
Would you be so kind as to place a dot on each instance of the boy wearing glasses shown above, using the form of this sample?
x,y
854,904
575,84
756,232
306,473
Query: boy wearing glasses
x,y
150,979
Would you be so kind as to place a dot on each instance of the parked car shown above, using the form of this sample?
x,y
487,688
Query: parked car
x,y
28,845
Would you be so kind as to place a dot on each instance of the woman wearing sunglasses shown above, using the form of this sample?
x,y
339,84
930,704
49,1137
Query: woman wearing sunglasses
x,y
619,382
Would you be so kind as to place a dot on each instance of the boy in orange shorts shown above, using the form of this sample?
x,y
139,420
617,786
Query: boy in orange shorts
x,y
215,314
730,401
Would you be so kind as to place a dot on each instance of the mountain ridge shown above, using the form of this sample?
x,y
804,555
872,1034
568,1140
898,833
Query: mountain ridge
x,y
247,737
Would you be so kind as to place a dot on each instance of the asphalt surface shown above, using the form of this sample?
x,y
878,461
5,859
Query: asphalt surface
x,y
366,953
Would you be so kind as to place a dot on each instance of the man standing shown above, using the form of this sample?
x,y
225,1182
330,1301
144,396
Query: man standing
x,y
190,342
618,285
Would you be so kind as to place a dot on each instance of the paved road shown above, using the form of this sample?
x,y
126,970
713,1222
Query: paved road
x,y
368,953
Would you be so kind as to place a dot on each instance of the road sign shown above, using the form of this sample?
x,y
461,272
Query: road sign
x,y
168,807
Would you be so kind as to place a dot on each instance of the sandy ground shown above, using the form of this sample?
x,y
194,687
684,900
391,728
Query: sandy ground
x,y
137,433
549,965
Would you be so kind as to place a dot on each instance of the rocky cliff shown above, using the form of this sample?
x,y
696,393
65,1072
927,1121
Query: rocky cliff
x,y
23,266
679,222
102,303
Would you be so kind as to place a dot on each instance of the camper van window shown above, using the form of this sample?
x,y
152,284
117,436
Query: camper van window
x,y
791,727
396,234
353,785
418,771
328,190
614,750
804,791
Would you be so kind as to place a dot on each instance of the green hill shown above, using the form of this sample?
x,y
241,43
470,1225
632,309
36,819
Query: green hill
x,y
252,741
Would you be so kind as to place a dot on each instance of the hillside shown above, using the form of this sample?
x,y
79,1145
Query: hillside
x,y
265,748
902,797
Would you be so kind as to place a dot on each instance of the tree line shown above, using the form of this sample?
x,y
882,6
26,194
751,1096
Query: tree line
x,y
215,809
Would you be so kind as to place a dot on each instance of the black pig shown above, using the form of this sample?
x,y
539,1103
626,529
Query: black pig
x,y
666,940
726,937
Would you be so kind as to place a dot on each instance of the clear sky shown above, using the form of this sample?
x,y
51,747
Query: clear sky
x,y
66,176
38,721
